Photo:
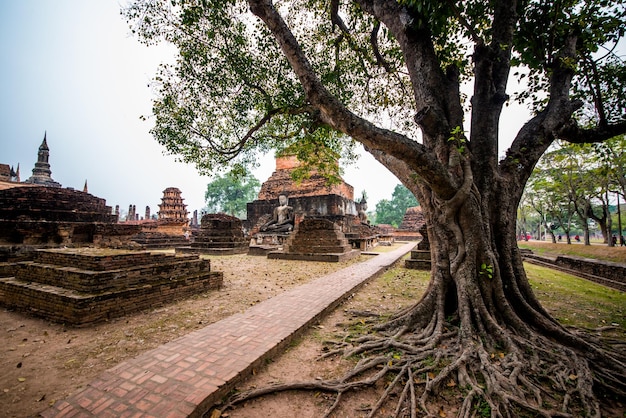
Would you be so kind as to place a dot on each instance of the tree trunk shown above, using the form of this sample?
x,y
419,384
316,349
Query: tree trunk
x,y
479,318
586,234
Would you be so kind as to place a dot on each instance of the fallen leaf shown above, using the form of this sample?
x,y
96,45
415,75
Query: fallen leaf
x,y
21,379
573,377
451,383
442,413
501,355
41,398
19,365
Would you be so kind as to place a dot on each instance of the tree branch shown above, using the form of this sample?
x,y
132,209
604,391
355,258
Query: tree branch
x,y
577,135
336,115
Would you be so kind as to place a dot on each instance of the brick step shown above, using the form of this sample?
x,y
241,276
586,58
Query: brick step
x,y
93,260
313,243
76,308
420,255
417,264
80,280
219,244
219,239
318,249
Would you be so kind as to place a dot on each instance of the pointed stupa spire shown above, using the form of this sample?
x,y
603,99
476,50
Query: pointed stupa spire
x,y
85,189
42,172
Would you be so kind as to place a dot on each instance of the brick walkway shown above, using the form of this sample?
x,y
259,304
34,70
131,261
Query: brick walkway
x,y
185,377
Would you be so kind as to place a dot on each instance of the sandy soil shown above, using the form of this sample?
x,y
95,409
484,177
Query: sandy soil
x,y
43,362
303,360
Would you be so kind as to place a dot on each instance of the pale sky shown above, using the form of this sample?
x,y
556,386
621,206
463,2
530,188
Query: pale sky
x,y
71,69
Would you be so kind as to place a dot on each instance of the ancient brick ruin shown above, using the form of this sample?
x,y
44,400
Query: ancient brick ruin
x,y
40,216
420,257
8,174
86,285
311,197
411,223
316,239
219,234
41,172
172,225
65,257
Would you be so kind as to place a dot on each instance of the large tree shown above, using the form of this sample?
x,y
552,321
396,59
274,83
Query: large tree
x,y
231,193
392,211
318,75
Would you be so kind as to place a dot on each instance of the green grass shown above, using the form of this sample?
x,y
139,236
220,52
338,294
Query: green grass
x,y
596,250
578,302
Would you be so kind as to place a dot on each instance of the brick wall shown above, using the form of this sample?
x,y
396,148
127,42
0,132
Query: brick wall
x,y
606,269
60,305
80,286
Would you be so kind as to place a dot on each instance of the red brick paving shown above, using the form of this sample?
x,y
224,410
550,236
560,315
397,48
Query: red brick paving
x,y
185,377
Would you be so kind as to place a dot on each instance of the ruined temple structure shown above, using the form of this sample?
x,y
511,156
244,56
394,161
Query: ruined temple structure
x,y
316,239
411,223
311,197
194,220
219,234
81,286
42,173
171,227
172,207
40,216
8,174
420,257
65,257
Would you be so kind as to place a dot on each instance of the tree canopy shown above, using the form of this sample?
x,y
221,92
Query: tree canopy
x,y
231,193
323,75
392,211
574,184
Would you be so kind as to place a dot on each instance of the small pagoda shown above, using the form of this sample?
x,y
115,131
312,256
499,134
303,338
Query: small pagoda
x,y
172,225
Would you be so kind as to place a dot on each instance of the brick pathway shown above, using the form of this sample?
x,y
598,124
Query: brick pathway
x,y
185,377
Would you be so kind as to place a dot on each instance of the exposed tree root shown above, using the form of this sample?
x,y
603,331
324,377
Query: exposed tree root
x,y
507,376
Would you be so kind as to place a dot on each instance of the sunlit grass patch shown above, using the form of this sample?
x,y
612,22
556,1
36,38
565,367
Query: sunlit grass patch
x,y
578,302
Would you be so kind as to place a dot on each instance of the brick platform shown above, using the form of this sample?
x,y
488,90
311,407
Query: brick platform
x,y
85,285
187,376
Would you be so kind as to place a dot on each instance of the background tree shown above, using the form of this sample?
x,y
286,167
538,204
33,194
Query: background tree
x,y
613,154
392,211
320,74
231,193
542,201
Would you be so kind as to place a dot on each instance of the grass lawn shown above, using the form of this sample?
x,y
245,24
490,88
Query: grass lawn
x,y
575,301
596,250
578,302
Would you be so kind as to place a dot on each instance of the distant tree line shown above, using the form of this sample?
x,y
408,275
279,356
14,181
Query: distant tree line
x,y
230,193
392,211
574,189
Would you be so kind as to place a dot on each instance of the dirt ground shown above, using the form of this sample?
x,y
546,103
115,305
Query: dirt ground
x,y
43,362
383,295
